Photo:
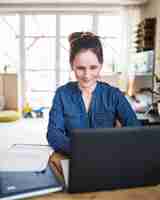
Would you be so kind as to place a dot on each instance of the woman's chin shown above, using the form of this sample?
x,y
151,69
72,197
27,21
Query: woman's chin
x,y
87,84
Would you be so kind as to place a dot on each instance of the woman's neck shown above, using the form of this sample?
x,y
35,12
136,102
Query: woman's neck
x,y
87,90
87,95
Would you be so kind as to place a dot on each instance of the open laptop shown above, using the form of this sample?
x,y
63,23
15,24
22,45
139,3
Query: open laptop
x,y
112,158
19,185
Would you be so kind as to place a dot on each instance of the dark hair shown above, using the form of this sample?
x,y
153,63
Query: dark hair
x,y
80,41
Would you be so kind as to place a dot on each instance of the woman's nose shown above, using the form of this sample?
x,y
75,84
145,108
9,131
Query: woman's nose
x,y
87,73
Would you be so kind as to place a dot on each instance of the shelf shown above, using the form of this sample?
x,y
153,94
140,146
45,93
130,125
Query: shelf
x,y
145,35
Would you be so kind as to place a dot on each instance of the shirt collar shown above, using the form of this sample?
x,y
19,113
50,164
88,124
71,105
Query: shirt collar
x,y
77,89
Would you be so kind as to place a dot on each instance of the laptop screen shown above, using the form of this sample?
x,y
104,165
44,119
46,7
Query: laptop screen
x,y
112,158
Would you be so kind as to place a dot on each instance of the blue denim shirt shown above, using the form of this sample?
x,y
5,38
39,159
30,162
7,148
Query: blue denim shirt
x,y
68,111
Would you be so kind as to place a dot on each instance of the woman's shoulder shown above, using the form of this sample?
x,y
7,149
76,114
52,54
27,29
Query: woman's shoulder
x,y
112,92
67,88
107,87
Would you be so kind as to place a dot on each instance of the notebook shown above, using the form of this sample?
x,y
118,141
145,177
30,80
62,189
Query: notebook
x,y
19,185
113,158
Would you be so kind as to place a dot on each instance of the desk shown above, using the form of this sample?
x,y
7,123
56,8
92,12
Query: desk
x,y
148,119
141,193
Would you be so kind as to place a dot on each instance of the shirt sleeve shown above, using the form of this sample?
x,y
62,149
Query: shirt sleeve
x,y
56,132
125,113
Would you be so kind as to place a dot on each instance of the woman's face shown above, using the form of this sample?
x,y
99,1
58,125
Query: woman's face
x,y
86,68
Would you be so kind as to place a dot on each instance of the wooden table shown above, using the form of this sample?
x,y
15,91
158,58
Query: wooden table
x,y
140,193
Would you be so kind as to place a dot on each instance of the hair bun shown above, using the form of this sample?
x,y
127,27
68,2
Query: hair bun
x,y
74,36
80,35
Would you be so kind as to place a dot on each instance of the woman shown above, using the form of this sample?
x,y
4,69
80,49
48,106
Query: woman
x,y
86,103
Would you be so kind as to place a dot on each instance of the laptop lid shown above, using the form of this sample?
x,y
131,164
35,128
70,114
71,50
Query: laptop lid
x,y
111,158
17,185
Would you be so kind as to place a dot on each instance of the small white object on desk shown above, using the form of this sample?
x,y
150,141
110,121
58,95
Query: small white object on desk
x,y
158,107
65,168
25,157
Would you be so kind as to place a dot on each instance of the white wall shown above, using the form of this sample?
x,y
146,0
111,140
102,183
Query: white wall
x,y
152,9
64,5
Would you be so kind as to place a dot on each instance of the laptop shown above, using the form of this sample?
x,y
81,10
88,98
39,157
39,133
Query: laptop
x,y
19,185
113,158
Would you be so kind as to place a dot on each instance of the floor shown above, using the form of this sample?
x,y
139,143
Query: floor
x,y
23,131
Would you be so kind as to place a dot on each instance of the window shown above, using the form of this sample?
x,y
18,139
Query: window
x,y
9,43
46,47
110,30
40,58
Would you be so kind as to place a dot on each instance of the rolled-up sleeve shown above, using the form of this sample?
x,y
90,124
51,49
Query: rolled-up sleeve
x,y
56,132
125,112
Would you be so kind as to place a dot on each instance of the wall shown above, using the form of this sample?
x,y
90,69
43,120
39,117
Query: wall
x,y
152,9
58,2
9,90
1,86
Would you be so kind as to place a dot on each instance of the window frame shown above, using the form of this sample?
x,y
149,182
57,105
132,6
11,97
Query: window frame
x,y
21,71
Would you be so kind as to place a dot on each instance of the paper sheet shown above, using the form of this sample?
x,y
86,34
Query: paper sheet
x,y
25,157
65,168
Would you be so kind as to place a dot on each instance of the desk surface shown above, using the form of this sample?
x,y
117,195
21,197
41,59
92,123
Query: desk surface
x,y
141,193
147,193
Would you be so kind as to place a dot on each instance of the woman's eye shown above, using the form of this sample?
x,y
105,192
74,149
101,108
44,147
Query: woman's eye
x,y
93,67
80,68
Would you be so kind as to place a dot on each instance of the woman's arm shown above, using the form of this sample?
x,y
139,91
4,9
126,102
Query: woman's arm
x,y
125,113
56,131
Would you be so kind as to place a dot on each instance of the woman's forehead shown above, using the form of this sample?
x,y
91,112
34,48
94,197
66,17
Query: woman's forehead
x,y
86,56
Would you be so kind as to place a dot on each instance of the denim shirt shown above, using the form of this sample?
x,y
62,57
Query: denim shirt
x,y
68,111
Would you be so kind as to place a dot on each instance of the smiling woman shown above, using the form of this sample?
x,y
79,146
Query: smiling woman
x,y
86,103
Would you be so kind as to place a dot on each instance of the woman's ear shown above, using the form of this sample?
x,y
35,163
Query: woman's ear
x,y
101,65
72,76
